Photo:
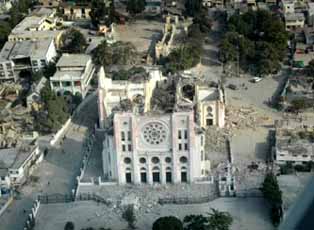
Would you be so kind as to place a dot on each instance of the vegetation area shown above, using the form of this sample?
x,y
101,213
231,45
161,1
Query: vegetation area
x,y
102,12
73,41
129,216
168,222
215,220
260,40
187,55
128,74
17,13
118,53
54,114
273,195
135,6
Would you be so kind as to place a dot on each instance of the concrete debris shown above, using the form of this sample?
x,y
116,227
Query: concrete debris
x,y
243,117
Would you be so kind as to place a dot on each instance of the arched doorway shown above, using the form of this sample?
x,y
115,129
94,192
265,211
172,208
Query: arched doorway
x,y
209,116
184,175
143,173
128,175
168,175
156,175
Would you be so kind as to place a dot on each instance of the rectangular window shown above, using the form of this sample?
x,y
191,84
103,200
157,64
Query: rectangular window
x,y
202,140
55,84
122,136
129,148
185,134
179,134
202,155
123,148
180,147
129,135
43,62
186,146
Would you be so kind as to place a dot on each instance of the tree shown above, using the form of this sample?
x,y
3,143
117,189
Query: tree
x,y
5,30
299,104
118,53
184,57
102,11
135,6
259,37
219,220
73,41
50,70
196,222
129,216
168,223
69,226
310,68
46,93
273,195
270,189
193,7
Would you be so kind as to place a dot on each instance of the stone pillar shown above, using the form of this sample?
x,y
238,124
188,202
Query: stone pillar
x,y
191,143
162,173
175,161
149,172
135,132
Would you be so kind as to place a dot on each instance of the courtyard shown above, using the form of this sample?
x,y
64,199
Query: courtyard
x,y
248,214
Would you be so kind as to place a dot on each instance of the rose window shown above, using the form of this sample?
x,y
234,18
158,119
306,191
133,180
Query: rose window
x,y
154,133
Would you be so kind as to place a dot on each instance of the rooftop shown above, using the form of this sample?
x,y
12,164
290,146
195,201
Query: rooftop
x,y
21,49
73,60
15,157
294,17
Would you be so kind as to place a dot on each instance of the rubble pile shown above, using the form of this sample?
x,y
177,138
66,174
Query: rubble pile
x,y
250,176
145,198
216,139
13,123
243,117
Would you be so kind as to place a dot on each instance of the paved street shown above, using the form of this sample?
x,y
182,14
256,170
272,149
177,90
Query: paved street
x,y
59,168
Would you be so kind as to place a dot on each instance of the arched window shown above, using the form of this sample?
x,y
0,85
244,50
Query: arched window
x,y
183,159
127,160
168,159
155,160
142,160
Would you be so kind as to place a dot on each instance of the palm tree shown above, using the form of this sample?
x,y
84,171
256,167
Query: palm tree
x,y
69,226
219,220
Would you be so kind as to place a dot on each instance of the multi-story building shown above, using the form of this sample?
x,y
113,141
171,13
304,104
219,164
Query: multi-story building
x,y
293,20
74,72
25,55
153,132
18,163
50,3
154,149
294,145
40,25
76,10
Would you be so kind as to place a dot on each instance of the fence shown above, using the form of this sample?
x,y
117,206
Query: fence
x,y
31,219
186,200
66,198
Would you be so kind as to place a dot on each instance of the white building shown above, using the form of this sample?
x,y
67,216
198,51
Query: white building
x,y
18,163
74,72
294,145
146,144
25,55
154,149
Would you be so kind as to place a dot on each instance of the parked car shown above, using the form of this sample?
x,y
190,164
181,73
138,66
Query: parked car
x,y
232,86
256,79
